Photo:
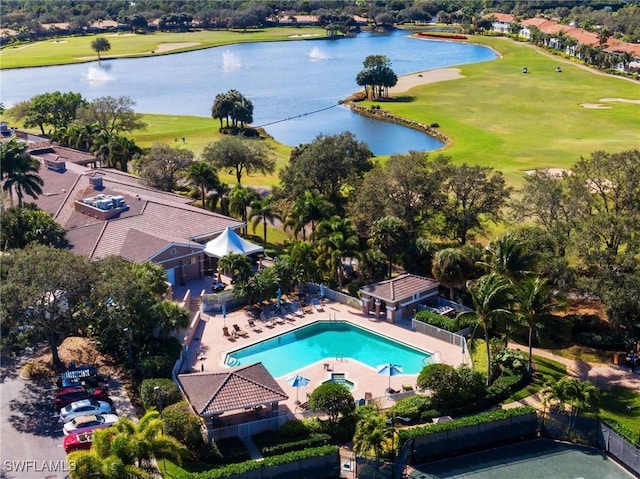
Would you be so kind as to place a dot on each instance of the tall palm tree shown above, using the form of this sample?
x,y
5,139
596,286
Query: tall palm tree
x,y
264,211
509,256
126,449
390,237
19,171
491,294
204,177
303,258
309,209
336,240
238,265
453,267
239,202
536,301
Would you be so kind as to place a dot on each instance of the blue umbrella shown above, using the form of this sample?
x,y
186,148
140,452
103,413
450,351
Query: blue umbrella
x,y
224,314
297,382
389,369
322,290
278,297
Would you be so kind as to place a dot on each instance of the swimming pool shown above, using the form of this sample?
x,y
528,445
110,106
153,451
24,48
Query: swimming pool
x,y
328,340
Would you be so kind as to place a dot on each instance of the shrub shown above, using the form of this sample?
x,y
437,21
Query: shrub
x,y
333,400
611,340
412,407
169,393
434,125
439,321
432,374
156,366
181,423
314,441
513,360
209,453
294,428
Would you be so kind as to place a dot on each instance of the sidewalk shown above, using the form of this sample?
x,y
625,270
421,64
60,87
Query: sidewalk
x,y
603,376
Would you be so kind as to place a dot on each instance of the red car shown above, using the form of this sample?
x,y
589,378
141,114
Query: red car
x,y
66,396
77,442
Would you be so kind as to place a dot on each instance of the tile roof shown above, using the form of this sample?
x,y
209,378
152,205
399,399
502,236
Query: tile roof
x,y
153,221
400,288
213,393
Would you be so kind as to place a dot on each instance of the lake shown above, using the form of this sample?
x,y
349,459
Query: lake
x,y
284,80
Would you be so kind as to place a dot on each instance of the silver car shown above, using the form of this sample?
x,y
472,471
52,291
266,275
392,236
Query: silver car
x,y
83,408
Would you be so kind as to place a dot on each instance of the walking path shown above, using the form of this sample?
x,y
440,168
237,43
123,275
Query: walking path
x,y
603,376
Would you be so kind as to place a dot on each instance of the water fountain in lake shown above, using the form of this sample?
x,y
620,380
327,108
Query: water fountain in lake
x,y
98,74
230,61
316,54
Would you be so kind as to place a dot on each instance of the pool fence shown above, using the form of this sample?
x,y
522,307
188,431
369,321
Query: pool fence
x,y
443,335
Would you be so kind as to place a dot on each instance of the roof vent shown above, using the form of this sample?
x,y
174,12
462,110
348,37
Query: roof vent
x,y
96,181
55,164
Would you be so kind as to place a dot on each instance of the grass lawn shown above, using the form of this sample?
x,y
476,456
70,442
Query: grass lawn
x,y
78,49
546,370
500,117
613,406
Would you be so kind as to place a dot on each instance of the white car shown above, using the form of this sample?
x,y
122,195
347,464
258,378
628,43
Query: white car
x,y
89,423
83,408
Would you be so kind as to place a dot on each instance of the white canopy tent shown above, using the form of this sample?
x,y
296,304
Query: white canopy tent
x,y
230,242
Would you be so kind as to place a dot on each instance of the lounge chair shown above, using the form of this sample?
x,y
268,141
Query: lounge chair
x,y
407,387
225,333
318,307
254,326
298,312
289,317
279,319
238,331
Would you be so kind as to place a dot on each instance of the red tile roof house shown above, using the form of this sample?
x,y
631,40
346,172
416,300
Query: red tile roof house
x,y
109,212
398,298
225,399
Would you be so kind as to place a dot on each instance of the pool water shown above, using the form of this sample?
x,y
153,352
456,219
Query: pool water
x,y
297,349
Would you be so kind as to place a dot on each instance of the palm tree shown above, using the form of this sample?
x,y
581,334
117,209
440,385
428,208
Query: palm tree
x,y
490,295
303,258
238,265
311,208
372,434
204,177
536,301
576,394
19,171
100,45
389,236
264,211
336,240
509,256
240,200
126,449
453,267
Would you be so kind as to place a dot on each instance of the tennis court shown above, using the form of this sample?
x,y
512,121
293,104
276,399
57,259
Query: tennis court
x,y
537,459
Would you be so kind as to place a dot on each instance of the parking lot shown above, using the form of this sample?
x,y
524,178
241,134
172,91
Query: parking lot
x,y
30,434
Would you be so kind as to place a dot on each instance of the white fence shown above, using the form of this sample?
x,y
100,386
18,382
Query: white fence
x,y
443,335
248,429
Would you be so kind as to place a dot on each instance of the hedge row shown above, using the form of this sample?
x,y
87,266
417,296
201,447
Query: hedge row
x,y
491,416
314,441
233,470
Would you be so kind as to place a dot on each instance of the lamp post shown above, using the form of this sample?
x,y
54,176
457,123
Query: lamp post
x,y
130,331
392,422
157,392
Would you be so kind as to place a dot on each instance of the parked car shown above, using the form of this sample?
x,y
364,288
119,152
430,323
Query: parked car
x,y
77,442
89,423
85,375
66,396
84,407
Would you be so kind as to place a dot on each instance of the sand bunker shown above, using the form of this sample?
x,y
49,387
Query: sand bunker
x,y
599,106
406,82
609,100
302,35
556,172
167,47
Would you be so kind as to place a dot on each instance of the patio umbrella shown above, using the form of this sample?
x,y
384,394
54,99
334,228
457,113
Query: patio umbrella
x,y
389,369
224,314
278,298
297,382
322,290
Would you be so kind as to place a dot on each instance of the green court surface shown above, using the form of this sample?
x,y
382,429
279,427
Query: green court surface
x,y
537,459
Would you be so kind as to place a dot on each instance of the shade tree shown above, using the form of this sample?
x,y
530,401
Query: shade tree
x,y
111,114
377,76
239,156
53,110
332,399
164,165
331,164
20,226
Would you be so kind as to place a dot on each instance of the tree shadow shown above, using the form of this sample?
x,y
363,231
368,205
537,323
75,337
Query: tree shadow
x,y
33,412
401,99
9,368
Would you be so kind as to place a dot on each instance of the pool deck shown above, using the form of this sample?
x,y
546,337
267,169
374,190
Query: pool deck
x,y
210,347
